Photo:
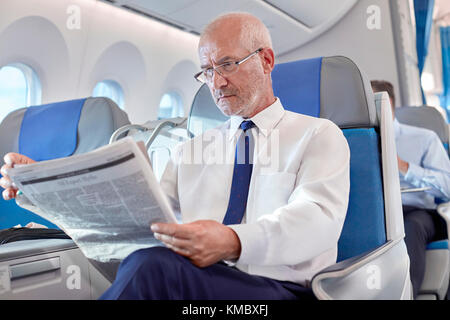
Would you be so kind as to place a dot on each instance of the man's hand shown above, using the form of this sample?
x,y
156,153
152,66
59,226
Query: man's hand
x,y
204,242
11,159
403,166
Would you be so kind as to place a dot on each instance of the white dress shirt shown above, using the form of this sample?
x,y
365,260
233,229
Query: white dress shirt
x,y
429,165
297,201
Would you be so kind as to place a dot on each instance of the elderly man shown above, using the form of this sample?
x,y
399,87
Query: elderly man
x,y
254,226
422,162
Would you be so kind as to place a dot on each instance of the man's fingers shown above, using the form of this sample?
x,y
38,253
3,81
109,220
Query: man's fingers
x,y
173,244
173,241
9,194
5,182
181,231
4,169
13,158
164,238
183,252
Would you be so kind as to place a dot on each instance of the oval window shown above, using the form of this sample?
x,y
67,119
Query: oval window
x,y
19,87
170,106
109,89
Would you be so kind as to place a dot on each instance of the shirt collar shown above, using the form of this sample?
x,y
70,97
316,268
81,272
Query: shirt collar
x,y
265,120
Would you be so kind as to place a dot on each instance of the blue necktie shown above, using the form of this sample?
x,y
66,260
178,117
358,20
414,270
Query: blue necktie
x,y
241,178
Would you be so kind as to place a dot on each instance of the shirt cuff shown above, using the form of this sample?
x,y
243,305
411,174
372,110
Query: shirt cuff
x,y
253,242
415,174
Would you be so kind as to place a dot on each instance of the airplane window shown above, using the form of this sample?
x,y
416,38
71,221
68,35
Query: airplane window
x,y
110,89
427,81
19,87
170,106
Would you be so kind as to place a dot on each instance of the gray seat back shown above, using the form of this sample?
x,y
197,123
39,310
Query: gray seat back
x,y
424,117
204,113
99,118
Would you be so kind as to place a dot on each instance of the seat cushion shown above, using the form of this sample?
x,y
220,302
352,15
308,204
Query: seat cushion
x,y
364,228
438,245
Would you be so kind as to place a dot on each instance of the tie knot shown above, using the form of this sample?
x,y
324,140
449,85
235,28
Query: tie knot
x,y
245,125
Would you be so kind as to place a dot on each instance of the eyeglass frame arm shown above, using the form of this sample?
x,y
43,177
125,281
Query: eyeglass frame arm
x,y
235,62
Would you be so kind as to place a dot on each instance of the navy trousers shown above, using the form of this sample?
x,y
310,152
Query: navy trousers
x,y
159,273
422,226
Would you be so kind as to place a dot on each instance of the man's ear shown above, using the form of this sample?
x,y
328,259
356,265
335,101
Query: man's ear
x,y
268,58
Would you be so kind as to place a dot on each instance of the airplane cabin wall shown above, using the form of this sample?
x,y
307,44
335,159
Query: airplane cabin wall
x,y
148,58
372,49
70,57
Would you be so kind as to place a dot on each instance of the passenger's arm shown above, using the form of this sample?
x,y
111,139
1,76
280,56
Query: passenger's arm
x,y
11,159
311,222
403,166
434,171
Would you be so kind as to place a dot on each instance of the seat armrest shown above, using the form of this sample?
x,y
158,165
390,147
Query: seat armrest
x,y
26,248
436,278
382,273
444,211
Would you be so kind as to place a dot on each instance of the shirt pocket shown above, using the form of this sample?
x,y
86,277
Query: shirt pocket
x,y
272,191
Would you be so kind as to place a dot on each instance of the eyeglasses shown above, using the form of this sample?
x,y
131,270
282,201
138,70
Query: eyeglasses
x,y
225,69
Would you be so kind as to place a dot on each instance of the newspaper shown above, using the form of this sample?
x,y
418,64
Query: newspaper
x,y
105,200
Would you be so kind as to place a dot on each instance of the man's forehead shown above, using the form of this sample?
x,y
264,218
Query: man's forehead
x,y
215,57
216,52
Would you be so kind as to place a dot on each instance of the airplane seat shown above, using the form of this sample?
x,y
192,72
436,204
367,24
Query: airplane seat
x,y
52,268
425,117
372,260
53,131
437,270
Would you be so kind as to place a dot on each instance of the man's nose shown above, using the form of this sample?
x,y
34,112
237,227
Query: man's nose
x,y
218,80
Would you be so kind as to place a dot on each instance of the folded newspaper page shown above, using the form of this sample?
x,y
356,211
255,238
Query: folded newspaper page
x,y
105,200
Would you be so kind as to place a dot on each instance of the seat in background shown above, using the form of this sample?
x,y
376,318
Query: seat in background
x,y
437,269
83,125
53,268
425,117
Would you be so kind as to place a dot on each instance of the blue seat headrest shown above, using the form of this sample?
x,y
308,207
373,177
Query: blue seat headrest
x,y
298,85
50,131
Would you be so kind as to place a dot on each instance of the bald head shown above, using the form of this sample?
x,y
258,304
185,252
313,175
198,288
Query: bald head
x,y
248,30
237,47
